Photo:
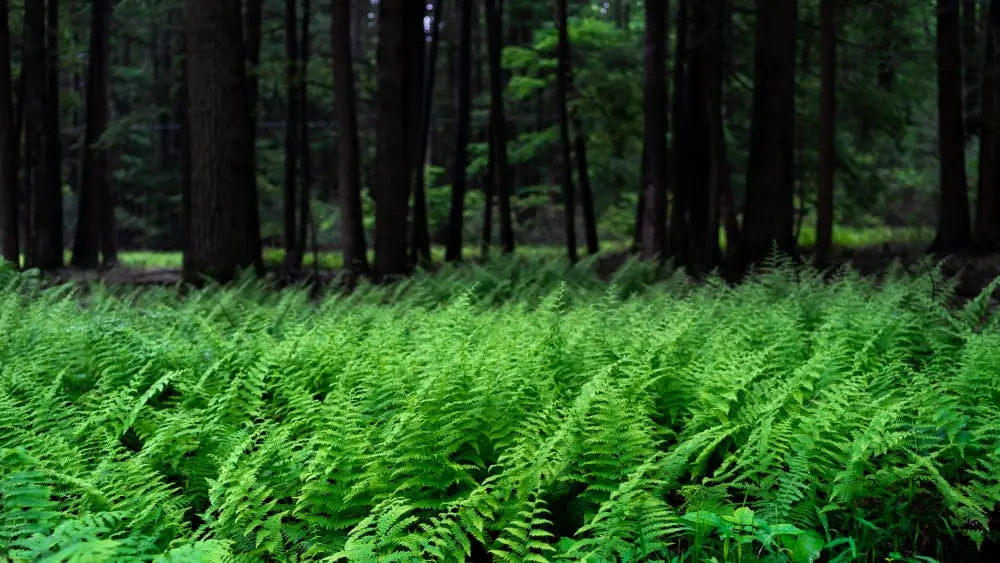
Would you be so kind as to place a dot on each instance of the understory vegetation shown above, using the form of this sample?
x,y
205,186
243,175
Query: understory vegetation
x,y
491,414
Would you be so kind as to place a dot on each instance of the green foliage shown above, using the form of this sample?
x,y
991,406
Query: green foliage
x,y
523,410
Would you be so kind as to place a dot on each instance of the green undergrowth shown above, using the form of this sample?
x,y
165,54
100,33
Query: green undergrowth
x,y
475,418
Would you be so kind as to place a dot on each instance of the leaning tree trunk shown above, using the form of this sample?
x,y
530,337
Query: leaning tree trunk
x,y
769,217
95,190
566,158
393,132
827,130
221,156
987,210
456,213
954,231
654,202
498,138
8,149
43,249
352,230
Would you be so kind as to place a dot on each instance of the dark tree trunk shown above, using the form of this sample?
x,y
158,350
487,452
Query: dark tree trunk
x,y
53,128
220,148
292,123
953,232
679,175
988,208
827,131
498,129
971,76
768,217
95,191
43,249
8,150
359,21
352,230
305,158
252,42
717,180
421,251
566,158
488,192
456,214
586,194
394,150
654,216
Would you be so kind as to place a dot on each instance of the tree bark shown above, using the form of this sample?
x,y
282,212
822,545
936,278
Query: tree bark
x,y
8,150
586,194
43,249
768,217
305,158
421,250
352,230
953,232
53,129
654,202
220,147
456,213
971,76
566,158
498,138
987,211
292,137
95,191
679,178
393,130
252,43
827,131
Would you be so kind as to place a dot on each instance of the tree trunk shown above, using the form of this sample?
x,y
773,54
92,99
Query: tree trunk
x,y
768,217
498,138
8,149
421,251
717,161
586,194
679,176
94,192
394,150
827,131
352,230
292,137
43,250
654,217
305,205
456,214
566,158
53,129
953,232
220,147
252,42
971,76
988,212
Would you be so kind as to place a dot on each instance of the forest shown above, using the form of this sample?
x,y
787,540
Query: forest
x,y
500,280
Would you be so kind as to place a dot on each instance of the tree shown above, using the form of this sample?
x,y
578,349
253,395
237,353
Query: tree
x,y
987,211
252,42
8,149
456,212
498,123
393,150
352,231
292,137
827,130
562,87
654,202
421,247
305,154
954,230
220,146
44,249
95,180
768,216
